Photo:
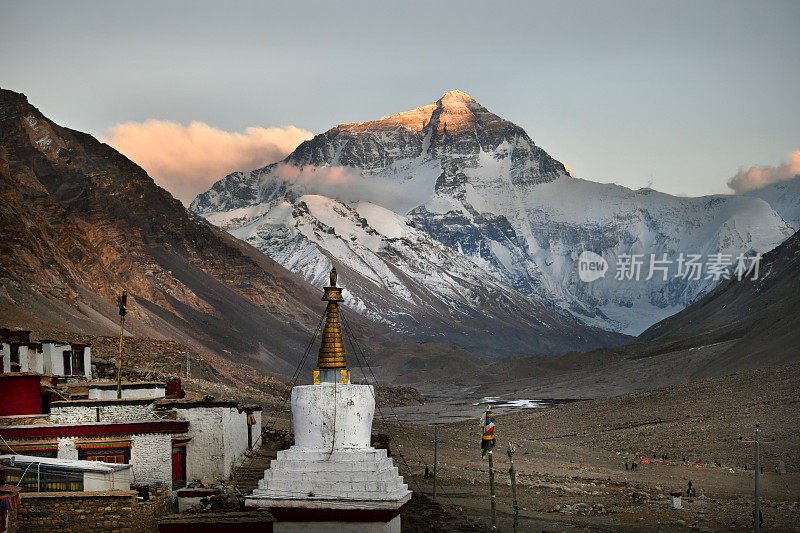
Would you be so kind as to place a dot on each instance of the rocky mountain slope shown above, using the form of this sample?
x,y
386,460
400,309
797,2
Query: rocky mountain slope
x,y
402,277
739,326
758,317
478,184
80,222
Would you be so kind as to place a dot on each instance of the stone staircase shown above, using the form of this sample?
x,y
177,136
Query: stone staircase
x,y
251,469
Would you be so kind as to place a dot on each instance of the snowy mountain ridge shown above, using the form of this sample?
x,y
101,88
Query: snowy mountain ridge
x,y
476,186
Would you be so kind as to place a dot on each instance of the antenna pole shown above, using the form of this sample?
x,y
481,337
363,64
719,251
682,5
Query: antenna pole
x,y
513,474
491,491
123,310
757,517
435,458
119,359
757,489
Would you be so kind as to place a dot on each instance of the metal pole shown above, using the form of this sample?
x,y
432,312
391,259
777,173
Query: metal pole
x,y
119,360
188,363
491,492
435,458
757,517
513,474
757,482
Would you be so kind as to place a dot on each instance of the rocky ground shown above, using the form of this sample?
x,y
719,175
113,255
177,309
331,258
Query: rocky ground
x,y
570,459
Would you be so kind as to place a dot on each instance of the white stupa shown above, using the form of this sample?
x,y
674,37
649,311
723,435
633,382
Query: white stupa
x,y
332,479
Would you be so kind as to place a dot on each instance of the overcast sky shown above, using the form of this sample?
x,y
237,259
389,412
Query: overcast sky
x,y
683,93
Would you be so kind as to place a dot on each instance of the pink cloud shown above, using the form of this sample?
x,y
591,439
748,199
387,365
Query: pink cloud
x,y
759,176
187,160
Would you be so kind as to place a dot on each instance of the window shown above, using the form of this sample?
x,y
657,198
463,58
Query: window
x,y
119,454
44,479
15,353
15,366
77,361
117,458
67,362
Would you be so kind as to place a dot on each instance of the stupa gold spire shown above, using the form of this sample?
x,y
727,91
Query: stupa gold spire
x,y
331,351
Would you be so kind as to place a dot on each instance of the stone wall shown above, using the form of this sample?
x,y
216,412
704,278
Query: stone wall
x,y
151,459
118,511
112,412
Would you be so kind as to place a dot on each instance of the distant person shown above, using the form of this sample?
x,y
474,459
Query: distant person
x,y
427,473
626,465
689,489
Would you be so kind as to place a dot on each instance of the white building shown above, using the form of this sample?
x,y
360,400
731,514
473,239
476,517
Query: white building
x,y
43,474
219,435
165,442
68,360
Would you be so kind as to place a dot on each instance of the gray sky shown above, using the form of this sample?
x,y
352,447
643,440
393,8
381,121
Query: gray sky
x,y
685,92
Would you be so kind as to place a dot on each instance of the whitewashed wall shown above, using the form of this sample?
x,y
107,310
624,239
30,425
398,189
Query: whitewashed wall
x,y
67,448
25,356
219,440
74,414
128,392
151,459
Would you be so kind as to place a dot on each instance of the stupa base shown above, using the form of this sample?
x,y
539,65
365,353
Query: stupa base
x,y
339,526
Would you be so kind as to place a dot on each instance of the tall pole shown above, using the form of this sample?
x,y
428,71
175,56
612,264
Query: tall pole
x,y
188,364
491,492
513,474
757,503
487,443
435,458
123,310
757,517
119,359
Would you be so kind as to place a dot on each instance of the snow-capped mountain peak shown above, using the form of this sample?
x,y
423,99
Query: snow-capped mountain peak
x,y
454,178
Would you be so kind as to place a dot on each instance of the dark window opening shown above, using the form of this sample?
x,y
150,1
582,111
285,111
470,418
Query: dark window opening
x,y
67,363
46,399
77,361
15,366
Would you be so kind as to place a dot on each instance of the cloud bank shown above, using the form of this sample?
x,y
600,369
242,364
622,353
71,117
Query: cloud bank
x,y
349,185
759,176
187,160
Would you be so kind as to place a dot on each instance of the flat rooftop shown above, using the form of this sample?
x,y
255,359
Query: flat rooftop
x,y
71,465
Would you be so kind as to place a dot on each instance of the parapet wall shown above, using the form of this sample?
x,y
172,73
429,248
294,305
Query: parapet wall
x,y
67,512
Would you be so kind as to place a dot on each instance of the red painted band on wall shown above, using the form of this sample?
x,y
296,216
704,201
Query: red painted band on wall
x,y
91,429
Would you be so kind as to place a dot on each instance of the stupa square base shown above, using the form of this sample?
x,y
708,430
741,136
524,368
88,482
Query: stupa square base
x,y
338,526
